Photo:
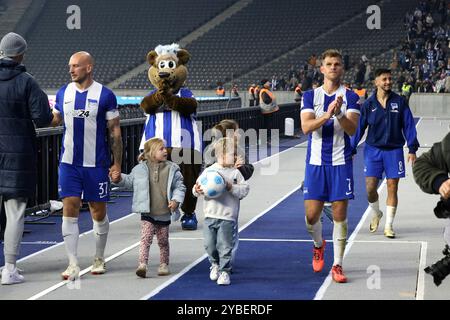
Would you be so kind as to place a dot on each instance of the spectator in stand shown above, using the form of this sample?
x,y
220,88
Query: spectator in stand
x,y
251,95
447,83
406,91
429,21
234,91
282,84
312,60
346,61
428,86
401,79
298,93
440,84
274,83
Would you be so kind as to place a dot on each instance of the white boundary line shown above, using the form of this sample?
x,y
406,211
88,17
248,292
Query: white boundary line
x,y
174,278
83,272
123,251
62,242
420,290
185,270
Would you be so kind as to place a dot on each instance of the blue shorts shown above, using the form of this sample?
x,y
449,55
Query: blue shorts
x,y
328,183
90,184
377,161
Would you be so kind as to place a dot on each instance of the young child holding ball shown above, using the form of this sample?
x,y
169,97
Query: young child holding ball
x,y
230,128
158,192
221,213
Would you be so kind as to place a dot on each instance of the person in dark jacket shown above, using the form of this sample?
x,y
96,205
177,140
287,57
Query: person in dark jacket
x,y
431,169
390,121
22,103
268,105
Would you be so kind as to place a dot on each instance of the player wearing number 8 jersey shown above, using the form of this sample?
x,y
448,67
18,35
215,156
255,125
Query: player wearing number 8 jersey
x,y
390,123
329,115
87,109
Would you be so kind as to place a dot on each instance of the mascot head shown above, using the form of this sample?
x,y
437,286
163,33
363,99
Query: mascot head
x,y
168,66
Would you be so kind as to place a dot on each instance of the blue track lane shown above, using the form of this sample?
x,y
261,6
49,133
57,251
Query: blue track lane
x,y
272,270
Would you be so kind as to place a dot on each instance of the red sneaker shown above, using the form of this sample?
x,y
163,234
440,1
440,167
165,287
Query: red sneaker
x,y
338,274
317,261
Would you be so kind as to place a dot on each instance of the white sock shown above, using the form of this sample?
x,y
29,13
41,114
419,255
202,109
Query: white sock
x,y
101,229
390,214
375,206
10,266
71,234
339,240
315,231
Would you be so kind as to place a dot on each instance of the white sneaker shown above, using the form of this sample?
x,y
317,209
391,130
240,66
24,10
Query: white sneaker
x,y
141,271
224,279
11,277
214,273
98,267
163,270
71,273
375,221
389,232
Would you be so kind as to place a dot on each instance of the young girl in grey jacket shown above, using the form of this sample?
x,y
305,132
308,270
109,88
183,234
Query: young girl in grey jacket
x,y
158,193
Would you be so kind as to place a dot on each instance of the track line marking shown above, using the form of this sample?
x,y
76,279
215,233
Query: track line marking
x,y
82,272
420,291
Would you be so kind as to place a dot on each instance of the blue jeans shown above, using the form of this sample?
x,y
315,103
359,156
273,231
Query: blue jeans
x,y
235,243
219,242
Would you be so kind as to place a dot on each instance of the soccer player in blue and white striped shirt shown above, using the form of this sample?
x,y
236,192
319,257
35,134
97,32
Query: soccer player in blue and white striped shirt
x,y
87,109
329,115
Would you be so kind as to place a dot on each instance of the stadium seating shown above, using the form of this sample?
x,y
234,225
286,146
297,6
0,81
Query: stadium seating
x,y
352,37
117,34
256,35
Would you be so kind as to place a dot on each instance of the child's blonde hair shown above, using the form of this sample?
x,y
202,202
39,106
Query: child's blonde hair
x,y
224,146
152,145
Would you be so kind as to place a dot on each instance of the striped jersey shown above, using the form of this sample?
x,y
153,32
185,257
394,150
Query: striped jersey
x,y
85,114
177,130
329,145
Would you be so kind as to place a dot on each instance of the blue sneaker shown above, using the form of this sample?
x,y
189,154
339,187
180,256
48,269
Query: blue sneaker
x,y
189,222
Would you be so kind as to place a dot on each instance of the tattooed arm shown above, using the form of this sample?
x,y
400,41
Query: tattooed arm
x,y
116,143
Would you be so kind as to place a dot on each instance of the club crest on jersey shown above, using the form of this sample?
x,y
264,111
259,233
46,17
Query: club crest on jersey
x,y
92,103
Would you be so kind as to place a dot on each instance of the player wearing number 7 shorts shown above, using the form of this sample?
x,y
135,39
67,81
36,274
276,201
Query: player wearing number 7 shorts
x,y
88,110
329,115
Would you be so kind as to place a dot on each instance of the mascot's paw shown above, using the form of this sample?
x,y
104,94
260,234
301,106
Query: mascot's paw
x,y
151,103
171,101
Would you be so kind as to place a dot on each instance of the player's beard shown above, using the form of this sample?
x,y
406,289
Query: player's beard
x,y
387,89
80,80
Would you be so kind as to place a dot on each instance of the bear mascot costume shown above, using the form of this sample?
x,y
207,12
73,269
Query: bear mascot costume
x,y
170,111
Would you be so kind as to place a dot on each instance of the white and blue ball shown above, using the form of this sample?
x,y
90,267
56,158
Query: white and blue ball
x,y
212,183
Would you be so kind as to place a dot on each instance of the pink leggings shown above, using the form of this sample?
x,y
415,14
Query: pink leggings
x,y
148,230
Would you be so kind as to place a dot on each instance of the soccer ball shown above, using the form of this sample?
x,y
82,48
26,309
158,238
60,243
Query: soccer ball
x,y
212,183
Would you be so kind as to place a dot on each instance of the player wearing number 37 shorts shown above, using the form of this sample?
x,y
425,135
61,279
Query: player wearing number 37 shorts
x,y
88,110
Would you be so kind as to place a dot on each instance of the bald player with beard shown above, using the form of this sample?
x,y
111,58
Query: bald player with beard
x,y
88,110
